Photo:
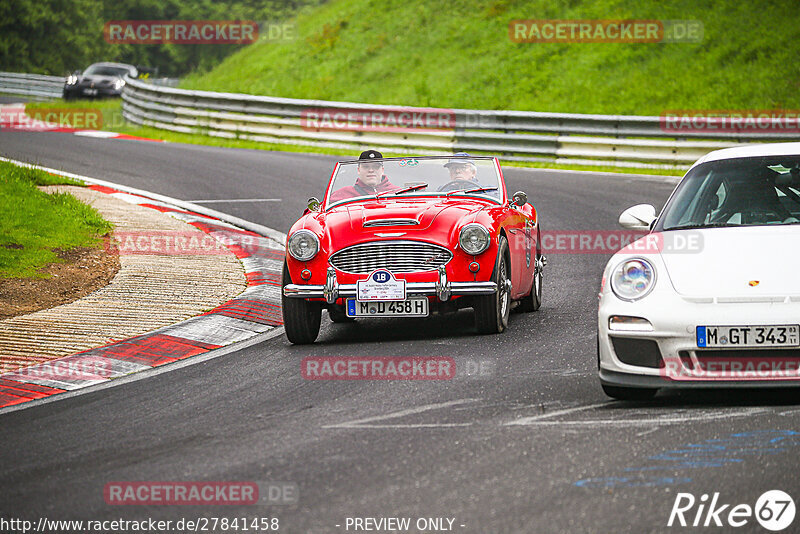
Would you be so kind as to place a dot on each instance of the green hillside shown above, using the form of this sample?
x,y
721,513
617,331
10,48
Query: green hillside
x,y
458,54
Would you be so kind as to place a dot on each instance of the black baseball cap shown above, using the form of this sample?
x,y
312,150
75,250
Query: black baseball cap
x,y
370,154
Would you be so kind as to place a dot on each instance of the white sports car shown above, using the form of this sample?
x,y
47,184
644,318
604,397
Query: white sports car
x,y
711,296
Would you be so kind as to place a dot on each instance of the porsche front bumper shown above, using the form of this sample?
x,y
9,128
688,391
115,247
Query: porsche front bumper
x,y
678,362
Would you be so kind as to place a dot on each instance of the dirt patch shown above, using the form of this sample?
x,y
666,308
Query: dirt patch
x,y
83,271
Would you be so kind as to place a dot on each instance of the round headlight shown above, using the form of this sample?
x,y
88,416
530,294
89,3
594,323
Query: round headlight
x,y
474,238
633,279
303,245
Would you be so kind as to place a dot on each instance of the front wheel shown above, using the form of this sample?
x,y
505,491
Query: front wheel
x,y
491,311
301,318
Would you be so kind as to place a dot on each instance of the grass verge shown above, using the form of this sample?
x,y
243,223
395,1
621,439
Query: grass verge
x,y
35,226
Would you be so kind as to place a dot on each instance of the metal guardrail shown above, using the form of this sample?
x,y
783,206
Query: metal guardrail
x,y
614,140
35,86
165,82
41,87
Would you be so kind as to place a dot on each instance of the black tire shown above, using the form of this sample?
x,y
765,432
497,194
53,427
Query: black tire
x,y
338,315
597,337
533,300
301,318
631,394
491,311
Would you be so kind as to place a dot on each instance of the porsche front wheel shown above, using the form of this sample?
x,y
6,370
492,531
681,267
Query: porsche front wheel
x,y
301,318
491,311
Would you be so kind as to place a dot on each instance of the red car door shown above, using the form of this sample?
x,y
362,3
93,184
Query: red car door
x,y
518,231
524,264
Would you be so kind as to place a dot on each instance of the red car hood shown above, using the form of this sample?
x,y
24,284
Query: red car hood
x,y
431,219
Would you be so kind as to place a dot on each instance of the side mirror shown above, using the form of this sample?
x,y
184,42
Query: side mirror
x,y
638,217
520,198
313,204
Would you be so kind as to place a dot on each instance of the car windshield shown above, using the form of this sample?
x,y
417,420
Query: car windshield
x,y
415,177
736,192
104,70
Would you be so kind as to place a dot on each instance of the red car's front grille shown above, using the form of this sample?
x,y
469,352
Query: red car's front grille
x,y
397,256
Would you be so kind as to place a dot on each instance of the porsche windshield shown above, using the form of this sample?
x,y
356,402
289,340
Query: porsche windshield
x,y
736,192
408,177
105,70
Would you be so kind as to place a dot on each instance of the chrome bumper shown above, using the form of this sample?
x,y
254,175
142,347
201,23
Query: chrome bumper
x,y
442,288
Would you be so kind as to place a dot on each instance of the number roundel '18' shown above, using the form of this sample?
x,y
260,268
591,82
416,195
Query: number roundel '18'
x,y
382,276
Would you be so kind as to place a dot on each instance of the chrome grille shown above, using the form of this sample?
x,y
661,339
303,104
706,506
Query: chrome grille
x,y
397,256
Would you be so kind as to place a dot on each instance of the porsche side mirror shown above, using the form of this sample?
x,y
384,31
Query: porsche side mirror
x,y
313,204
639,217
520,198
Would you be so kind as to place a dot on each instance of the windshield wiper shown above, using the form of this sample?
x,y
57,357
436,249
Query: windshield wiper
x,y
404,190
705,225
476,190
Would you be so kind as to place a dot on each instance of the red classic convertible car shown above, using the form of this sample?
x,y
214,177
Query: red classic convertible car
x,y
408,237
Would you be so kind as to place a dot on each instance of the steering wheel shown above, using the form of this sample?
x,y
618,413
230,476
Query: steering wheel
x,y
761,216
459,184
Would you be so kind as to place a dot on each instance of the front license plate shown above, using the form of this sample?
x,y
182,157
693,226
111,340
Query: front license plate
x,y
401,308
748,336
90,92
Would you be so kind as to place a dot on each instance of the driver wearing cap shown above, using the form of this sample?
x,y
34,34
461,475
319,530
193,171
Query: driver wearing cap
x,y
463,172
370,181
462,169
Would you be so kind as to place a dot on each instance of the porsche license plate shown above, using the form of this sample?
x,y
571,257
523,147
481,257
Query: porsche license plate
x,y
748,336
402,308
90,92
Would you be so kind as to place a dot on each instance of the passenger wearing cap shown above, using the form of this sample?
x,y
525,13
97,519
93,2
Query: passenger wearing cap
x,y
463,173
370,181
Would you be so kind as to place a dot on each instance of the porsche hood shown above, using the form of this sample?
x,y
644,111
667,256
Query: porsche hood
x,y
740,263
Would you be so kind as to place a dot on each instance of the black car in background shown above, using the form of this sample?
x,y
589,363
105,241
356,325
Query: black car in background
x,y
98,80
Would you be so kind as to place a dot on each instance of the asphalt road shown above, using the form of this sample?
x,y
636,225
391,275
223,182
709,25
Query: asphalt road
x,y
531,444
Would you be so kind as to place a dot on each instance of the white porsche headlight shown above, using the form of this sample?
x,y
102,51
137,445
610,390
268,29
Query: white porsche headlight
x,y
633,279
474,238
303,245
